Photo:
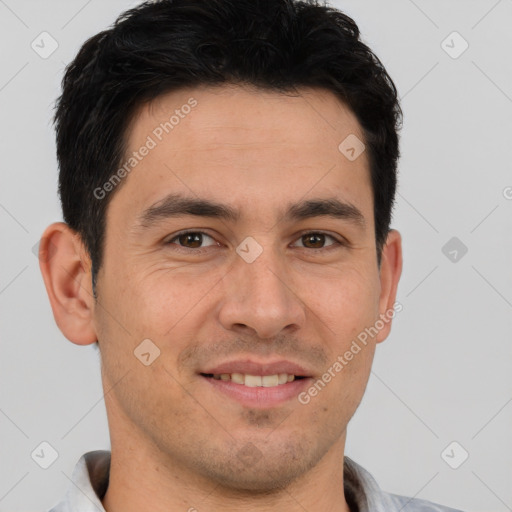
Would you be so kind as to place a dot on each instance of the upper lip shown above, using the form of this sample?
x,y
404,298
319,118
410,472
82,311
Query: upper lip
x,y
250,367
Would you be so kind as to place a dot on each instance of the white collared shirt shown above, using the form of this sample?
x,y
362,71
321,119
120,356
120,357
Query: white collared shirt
x,y
91,474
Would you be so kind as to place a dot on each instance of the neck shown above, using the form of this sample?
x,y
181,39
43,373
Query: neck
x,y
145,479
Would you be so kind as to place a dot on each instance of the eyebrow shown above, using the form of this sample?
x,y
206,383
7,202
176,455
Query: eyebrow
x,y
177,205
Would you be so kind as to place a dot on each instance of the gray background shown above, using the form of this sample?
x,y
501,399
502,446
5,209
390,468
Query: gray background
x,y
445,372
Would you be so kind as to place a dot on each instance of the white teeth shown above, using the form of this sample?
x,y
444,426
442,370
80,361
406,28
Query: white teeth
x,y
283,378
253,381
270,380
238,378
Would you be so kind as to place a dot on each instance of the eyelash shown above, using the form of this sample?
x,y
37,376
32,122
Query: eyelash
x,y
337,243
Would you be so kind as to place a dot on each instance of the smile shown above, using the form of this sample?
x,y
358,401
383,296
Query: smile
x,y
253,381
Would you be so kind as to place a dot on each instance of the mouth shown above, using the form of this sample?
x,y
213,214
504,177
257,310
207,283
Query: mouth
x,y
257,385
255,381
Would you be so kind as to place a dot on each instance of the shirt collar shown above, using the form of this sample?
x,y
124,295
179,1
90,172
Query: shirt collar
x,y
91,475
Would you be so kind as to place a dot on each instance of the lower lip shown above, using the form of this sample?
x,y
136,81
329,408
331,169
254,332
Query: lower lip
x,y
259,397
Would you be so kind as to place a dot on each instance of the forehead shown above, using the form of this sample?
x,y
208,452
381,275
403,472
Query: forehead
x,y
242,145
245,114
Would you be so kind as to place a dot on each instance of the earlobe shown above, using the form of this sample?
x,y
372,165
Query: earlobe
x,y
66,270
390,272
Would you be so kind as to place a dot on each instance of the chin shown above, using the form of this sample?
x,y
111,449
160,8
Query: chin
x,y
259,471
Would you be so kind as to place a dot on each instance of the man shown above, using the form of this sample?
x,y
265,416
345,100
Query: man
x,y
227,175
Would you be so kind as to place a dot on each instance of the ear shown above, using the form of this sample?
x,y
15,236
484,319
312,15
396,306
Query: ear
x,y
390,271
66,269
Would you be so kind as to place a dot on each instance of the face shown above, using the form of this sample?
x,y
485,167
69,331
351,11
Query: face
x,y
277,275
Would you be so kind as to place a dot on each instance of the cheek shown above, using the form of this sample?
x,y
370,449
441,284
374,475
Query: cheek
x,y
345,302
157,302
163,302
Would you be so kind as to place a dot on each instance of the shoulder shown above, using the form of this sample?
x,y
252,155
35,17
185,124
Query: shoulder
x,y
406,504
366,494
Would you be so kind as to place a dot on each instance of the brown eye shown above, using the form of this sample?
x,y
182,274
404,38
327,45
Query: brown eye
x,y
191,240
316,240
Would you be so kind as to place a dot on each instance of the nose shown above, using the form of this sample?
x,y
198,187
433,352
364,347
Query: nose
x,y
261,297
